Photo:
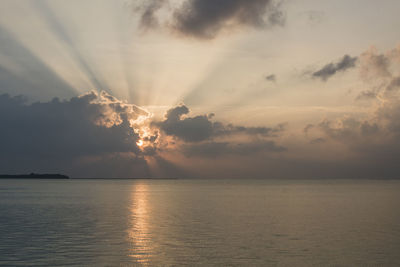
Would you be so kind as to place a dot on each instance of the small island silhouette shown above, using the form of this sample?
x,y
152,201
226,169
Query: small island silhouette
x,y
34,176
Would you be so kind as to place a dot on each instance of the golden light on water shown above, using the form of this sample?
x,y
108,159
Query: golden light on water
x,y
139,233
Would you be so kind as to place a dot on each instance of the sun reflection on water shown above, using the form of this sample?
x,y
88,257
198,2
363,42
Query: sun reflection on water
x,y
139,233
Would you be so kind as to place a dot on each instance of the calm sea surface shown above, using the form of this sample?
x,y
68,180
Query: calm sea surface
x,y
199,223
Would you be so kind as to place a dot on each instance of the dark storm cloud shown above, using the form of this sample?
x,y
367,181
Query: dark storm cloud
x,y
92,125
201,128
271,78
331,69
205,19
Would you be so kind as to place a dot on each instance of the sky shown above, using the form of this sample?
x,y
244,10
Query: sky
x,y
200,88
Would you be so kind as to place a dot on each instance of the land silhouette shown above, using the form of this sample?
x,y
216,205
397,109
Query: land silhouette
x,y
34,176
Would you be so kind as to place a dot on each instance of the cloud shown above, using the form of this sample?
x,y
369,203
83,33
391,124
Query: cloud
x,y
363,144
202,128
91,126
194,129
374,65
376,69
317,141
374,137
271,78
308,127
205,19
394,84
215,149
331,69
366,95
201,137
349,129
148,9
97,135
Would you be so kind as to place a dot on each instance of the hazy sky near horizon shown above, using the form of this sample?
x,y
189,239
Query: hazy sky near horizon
x,y
200,88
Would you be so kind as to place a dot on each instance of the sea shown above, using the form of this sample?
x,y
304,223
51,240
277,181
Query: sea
x,y
185,222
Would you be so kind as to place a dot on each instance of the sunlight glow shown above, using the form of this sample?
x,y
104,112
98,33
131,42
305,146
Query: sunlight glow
x,y
139,143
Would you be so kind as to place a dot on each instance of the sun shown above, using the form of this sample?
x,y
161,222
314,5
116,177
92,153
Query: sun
x,y
139,143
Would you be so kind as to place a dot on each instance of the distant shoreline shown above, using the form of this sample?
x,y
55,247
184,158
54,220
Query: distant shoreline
x,y
34,176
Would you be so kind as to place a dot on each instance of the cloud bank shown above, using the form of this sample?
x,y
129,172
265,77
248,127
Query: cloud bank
x,y
372,141
97,135
201,136
202,128
60,132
